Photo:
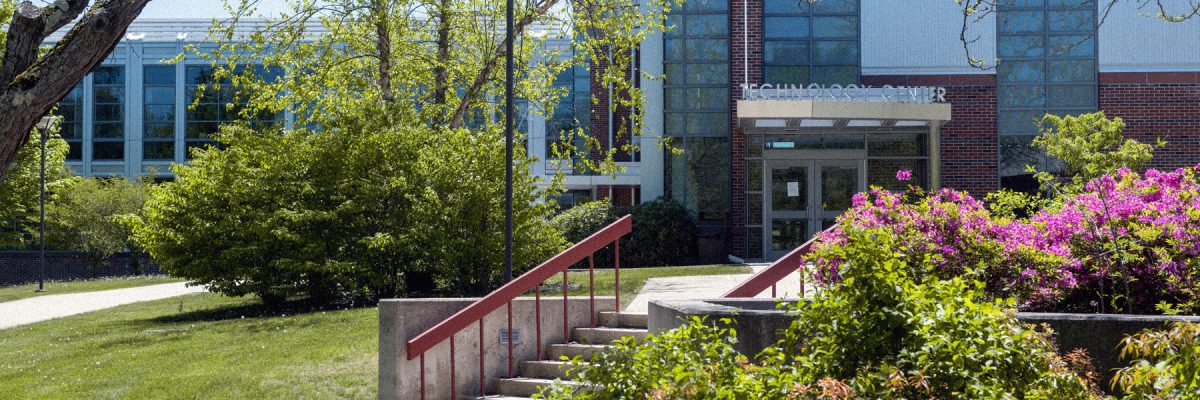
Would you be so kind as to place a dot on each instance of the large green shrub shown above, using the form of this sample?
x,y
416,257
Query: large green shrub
x,y
366,211
579,222
664,232
882,333
88,215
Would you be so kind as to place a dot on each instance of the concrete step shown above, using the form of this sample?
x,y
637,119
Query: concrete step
x,y
606,335
613,319
558,351
545,369
526,387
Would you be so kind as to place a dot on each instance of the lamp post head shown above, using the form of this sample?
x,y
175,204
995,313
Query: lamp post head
x,y
48,121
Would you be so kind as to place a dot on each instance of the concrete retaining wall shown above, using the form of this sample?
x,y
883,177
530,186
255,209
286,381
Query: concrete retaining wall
x,y
400,320
759,325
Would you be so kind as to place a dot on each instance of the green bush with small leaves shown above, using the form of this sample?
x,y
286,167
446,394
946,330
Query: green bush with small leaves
x,y
1166,364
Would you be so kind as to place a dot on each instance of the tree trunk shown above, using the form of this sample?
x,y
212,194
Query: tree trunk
x,y
31,86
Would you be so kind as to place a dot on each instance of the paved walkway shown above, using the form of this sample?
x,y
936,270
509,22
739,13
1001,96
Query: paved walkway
x,y
42,308
704,287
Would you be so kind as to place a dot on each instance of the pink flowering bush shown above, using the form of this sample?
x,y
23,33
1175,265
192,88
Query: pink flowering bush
x,y
1128,243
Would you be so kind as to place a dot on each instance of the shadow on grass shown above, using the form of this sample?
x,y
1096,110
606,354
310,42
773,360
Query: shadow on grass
x,y
253,310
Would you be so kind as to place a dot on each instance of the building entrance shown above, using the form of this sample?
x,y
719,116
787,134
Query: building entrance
x,y
804,197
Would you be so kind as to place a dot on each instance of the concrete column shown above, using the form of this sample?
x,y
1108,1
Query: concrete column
x,y
935,155
400,320
652,162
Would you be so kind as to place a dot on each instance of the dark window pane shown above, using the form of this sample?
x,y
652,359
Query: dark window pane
x,y
1022,3
784,6
75,150
1020,46
707,5
835,52
705,98
1016,153
787,234
1020,21
71,130
1072,46
882,173
789,189
838,186
201,130
672,50
778,75
707,124
158,150
835,7
707,25
110,94
160,131
1072,96
673,99
159,95
674,74
110,112
203,112
754,171
1022,96
1072,71
159,75
191,146
1021,71
785,53
835,75
108,150
707,49
109,76
1071,21
835,27
785,27
674,25
1019,122
159,113
114,130
708,74
898,145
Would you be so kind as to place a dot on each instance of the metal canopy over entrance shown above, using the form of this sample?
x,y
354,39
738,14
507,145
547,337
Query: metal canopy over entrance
x,y
805,160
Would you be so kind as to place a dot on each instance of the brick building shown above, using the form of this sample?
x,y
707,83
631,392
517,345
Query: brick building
x,y
754,93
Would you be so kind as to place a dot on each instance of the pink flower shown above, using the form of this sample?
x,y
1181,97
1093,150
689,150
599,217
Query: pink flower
x,y
903,175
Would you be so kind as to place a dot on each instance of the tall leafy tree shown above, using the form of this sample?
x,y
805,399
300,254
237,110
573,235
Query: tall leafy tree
x,y
20,189
33,79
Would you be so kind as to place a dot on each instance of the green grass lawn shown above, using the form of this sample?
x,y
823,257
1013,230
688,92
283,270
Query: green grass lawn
x,y
201,346
10,293
632,279
207,346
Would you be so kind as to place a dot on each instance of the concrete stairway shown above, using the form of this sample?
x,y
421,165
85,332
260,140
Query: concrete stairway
x,y
535,375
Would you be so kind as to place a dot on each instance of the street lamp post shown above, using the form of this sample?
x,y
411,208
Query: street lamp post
x,y
508,143
43,128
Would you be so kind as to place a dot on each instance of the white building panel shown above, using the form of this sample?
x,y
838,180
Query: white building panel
x,y
1131,40
906,37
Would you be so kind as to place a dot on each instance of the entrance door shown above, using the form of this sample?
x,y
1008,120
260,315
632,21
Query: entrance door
x,y
805,197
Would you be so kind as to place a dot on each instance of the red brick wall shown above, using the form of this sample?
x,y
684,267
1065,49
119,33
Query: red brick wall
x,y
1157,105
619,195
969,143
745,56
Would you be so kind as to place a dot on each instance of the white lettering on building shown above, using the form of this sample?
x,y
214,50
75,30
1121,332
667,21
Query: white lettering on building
x,y
848,93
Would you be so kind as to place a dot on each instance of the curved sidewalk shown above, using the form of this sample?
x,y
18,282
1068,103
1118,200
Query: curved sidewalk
x,y
42,308
704,287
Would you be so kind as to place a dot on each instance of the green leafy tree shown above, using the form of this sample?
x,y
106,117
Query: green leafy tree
x,y
1091,145
1166,364
88,215
20,188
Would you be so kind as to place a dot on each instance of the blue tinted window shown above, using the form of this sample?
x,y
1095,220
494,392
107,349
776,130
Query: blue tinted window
x,y
817,43
108,113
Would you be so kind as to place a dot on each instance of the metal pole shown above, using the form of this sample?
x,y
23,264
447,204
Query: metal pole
x,y
508,143
42,217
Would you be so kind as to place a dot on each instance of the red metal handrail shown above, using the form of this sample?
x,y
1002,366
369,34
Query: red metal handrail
x,y
781,268
529,280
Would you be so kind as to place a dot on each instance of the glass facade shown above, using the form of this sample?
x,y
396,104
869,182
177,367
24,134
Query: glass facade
x,y
70,108
217,103
1047,52
158,113
696,105
108,114
807,43
569,122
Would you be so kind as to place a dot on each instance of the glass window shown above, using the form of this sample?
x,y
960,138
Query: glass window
x,y
217,104
158,113
108,114
811,44
70,109
1048,65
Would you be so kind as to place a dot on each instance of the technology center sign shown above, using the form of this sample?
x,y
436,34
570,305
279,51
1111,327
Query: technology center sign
x,y
847,93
